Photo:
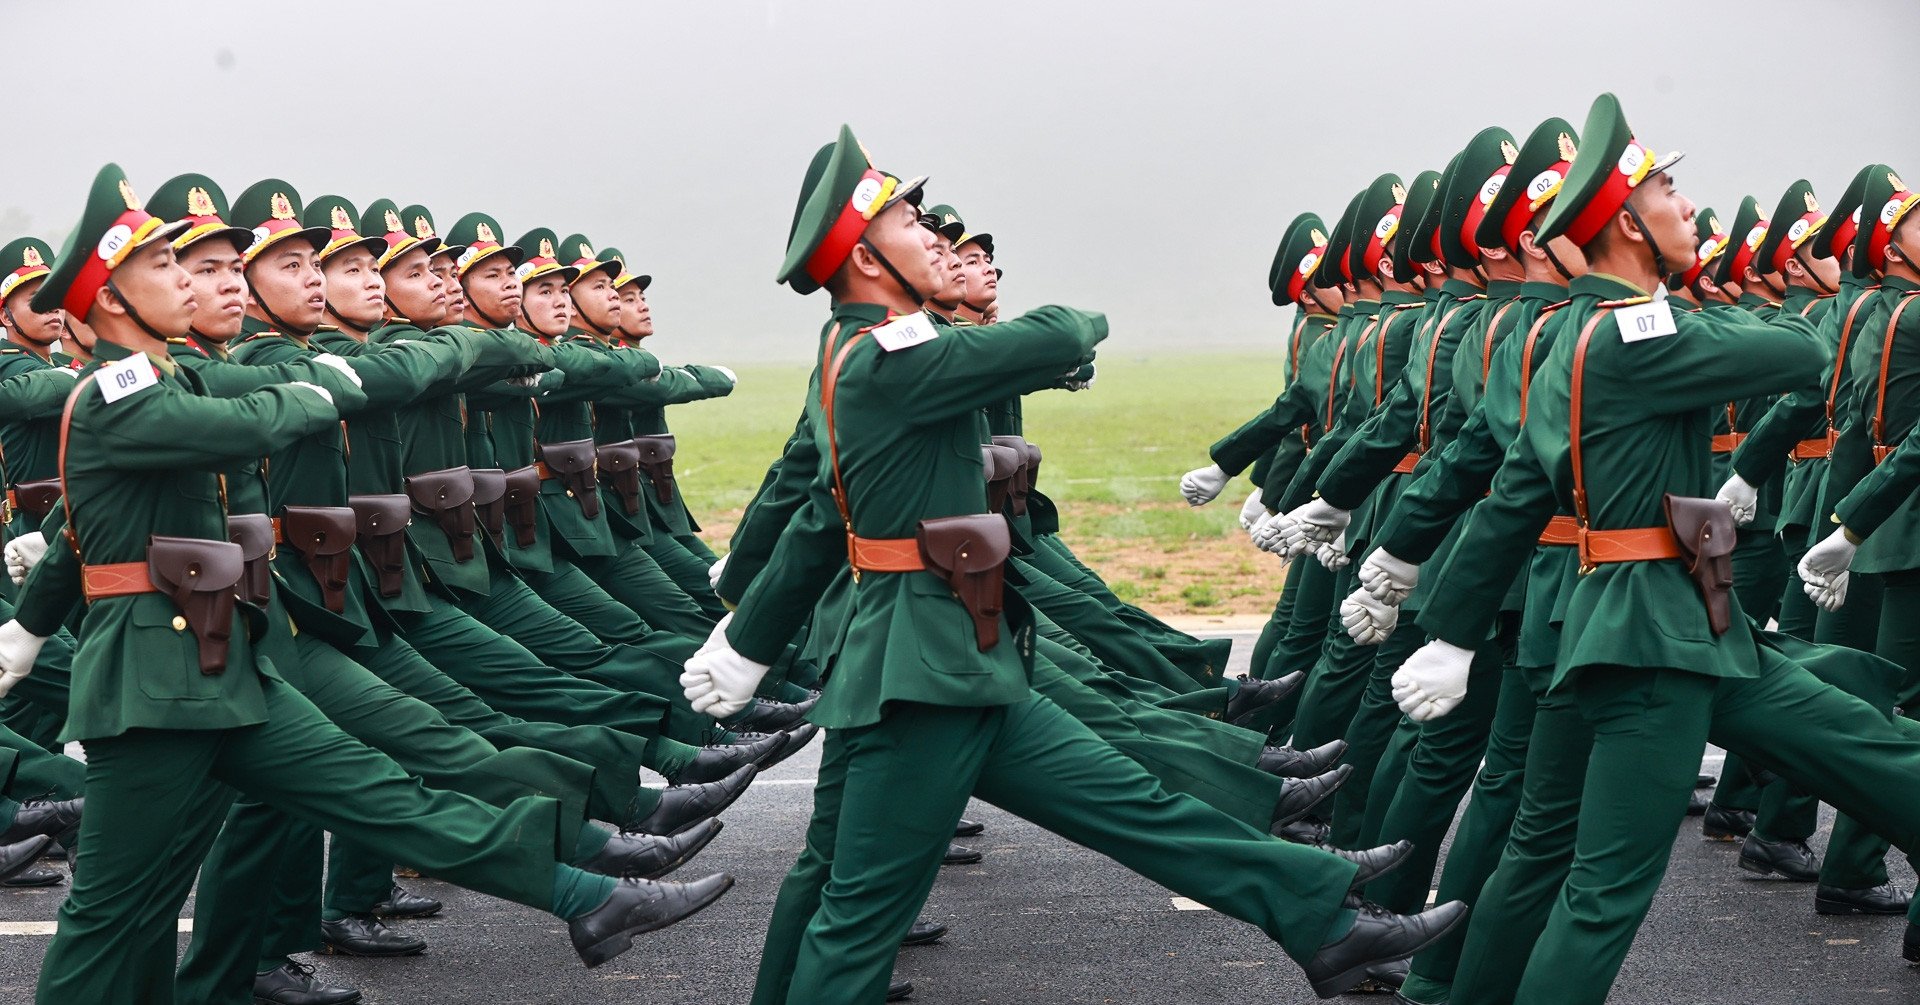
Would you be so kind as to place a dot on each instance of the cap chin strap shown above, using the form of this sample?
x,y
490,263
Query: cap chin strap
x,y
530,328
598,332
1659,260
350,326
1558,266
131,313
278,321
473,307
969,305
1906,256
1317,302
917,297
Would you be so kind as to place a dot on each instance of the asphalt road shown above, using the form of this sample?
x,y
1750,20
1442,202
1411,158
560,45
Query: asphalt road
x,y
1041,920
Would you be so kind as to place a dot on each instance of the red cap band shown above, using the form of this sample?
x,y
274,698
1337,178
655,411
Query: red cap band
x,y
1489,190
128,229
1635,161
868,196
1310,261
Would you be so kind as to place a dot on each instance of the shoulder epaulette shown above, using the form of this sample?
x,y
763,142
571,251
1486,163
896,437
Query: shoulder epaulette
x,y
11,350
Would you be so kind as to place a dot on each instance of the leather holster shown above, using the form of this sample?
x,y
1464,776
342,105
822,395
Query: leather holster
x,y
620,472
380,524
523,503
1002,466
37,499
253,532
1706,533
490,499
1029,470
571,462
199,576
323,535
970,554
656,459
446,497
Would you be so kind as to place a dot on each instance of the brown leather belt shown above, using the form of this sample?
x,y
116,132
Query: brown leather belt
x,y
1807,450
118,579
1727,443
546,474
1562,530
1406,463
884,554
1638,544
1881,450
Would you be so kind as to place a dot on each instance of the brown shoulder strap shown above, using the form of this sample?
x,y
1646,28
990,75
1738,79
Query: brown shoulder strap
x,y
66,496
1840,359
1886,357
1333,382
1811,304
1486,343
1366,333
1293,347
1526,354
1577,393
830,363
1426,394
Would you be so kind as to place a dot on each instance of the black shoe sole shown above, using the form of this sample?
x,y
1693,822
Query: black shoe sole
x,y
1843,908
1329,987
968,859
1398,861
923,940
967,832
407,915
1716,834
331,949
619,942
1763,869
687,856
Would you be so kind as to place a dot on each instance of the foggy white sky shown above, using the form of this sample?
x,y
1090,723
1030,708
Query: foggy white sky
x,y
1129,157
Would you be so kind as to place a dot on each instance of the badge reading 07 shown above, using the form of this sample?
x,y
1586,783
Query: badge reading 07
x,y
117,380
906,332
1644,321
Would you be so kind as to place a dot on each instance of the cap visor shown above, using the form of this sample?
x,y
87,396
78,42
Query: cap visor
x,y
1666,162
908,190
612,269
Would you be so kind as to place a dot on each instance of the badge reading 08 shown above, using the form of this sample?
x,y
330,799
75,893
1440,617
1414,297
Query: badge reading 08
x,y
906,332
117,380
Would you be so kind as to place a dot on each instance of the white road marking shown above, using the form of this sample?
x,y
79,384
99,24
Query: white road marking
x,y
47,927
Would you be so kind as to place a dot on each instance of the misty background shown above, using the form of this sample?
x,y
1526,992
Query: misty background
x,y
1135,158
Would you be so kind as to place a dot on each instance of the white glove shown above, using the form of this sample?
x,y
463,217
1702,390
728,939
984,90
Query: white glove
x,y
23,553
718,680
1321,520
18,649
1294,541
315,388
714,571
1333,554
343,366
530,380
1271,534
1093,372
1740,497
1824,570
1253,511
1201,485
1389,579
1432,681
732,378
1367,619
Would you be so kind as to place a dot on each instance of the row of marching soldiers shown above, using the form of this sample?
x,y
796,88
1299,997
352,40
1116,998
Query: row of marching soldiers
x,y
323,519
1575,478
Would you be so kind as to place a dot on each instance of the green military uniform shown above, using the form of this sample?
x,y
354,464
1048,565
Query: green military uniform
x,y
161,735
909,685
1648,699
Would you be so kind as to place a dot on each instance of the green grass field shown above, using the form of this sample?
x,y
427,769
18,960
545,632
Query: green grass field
x,y
1114,456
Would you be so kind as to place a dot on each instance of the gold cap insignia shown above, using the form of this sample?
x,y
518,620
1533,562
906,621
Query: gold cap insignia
x,y
421,228
1317,237
586,251
1567,149
1509,151
484,233
126,194
282,206
1713,224
1894,180
546,249
393,223
31,258
199,203
340,219
1812,206
1399,192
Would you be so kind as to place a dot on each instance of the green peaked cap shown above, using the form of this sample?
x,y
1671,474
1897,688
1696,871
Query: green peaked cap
x,y
23,260
1796,219
1611,164
1538,173
343,227
271,209
477,235
841,194
620,281
1303,247
1426,228
1743,238
1469,189
577,251
1843,220
1884,202
420,221
946,220
1333,271
383,217
1418,222
112,227
197,200
1709,243
1376,222
543,256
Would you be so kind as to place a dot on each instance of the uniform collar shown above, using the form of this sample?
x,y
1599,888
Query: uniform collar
x,y
110,352
1399,298
1899,284
1460,288
1552,293
1503,289
1605,287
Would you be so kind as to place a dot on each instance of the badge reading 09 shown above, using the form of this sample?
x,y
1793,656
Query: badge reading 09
x,y
117,380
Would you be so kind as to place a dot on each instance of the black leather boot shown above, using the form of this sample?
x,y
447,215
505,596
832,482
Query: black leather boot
x,y
638,906
1378,936
682,806
650,856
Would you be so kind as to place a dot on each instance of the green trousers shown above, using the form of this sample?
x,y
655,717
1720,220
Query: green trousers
x,y
692,543
1648,728
1368,732
634,579
1338,680
36,708
156,797
1759,572
1203,659
1306,632
38,774
1206,701
1159,741
1276,627
882,820
1795,612
688,570
1116,644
